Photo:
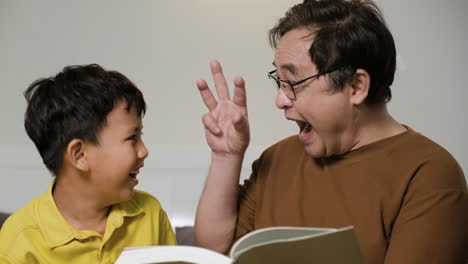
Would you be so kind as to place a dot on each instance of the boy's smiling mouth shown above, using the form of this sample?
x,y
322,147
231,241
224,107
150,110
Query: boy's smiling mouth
x,y
133,175
135,171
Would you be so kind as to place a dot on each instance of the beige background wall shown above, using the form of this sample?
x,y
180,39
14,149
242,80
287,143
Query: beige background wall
x,y
165,46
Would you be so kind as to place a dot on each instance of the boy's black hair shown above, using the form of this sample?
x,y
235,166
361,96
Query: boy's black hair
x,y
74,105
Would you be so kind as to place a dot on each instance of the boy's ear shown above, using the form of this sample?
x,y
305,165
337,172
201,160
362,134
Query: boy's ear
x,y
76,156
360,85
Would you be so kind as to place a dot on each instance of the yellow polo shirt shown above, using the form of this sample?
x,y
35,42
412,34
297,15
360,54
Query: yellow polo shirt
x,y
38,233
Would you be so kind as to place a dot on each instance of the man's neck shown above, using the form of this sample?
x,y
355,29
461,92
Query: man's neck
x,y
375,124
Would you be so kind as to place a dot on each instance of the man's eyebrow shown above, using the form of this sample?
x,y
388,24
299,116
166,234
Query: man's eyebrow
x,y
289,67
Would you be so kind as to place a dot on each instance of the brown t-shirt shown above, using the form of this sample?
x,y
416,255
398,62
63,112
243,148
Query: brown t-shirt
x,y
405,195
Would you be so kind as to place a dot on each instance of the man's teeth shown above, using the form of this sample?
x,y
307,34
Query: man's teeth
x,y
305,126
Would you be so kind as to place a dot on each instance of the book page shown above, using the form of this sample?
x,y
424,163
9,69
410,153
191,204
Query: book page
x,y
171,254
331,248
270,234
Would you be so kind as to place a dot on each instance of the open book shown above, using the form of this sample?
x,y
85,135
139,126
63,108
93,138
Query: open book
x,y
267,245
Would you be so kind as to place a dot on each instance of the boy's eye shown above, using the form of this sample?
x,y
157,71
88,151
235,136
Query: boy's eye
x,y
133,138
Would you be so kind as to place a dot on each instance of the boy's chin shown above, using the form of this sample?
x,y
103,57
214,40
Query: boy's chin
x,y
127,196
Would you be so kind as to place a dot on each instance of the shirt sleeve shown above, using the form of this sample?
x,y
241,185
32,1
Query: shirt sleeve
x,y
432,225
4,259
166,234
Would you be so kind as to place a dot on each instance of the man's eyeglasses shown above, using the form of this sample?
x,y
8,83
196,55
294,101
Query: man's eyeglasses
x,y
288,86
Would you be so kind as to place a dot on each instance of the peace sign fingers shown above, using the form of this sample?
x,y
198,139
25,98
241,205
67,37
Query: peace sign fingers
x,y
219,80
206,95
240,97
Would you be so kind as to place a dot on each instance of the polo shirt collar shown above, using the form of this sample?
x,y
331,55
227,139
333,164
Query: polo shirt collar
x,y
57,231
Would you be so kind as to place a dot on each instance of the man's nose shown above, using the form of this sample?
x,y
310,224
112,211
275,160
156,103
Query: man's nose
x,y
282,101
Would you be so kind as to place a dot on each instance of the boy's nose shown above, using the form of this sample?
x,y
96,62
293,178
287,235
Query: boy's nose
x,y
142,151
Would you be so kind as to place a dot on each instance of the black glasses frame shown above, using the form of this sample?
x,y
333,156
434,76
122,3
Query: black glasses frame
x,y
289,90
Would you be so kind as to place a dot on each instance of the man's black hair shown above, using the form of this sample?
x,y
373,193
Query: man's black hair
x,y
350,33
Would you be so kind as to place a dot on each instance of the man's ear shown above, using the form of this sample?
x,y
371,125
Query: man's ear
x,y
75,155
360,85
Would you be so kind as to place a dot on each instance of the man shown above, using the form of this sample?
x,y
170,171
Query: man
x,y
350,164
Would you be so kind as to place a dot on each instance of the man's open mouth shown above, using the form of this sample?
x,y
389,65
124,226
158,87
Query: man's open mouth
x,y
304,127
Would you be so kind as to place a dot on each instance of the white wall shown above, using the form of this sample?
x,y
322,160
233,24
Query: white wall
x,y
165,46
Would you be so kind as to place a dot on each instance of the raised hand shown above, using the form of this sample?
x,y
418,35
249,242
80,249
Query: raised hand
x,y
226,123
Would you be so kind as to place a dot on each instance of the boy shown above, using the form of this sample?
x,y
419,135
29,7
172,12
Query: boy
x,y
86,123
